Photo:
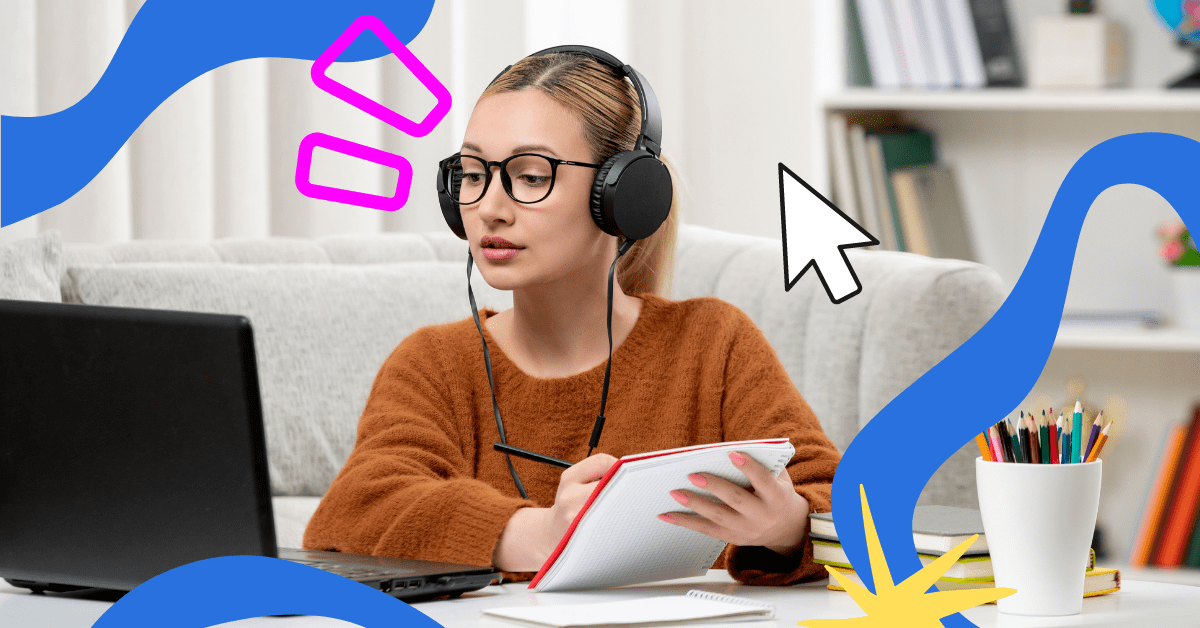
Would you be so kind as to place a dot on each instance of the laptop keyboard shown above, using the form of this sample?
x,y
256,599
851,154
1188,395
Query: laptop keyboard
x,y
350,571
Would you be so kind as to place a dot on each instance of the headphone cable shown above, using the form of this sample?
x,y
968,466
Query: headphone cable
x,y
598,427
487,362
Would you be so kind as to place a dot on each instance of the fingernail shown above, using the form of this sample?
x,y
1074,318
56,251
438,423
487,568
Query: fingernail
x,y
698,480
737,458
667,518
680,496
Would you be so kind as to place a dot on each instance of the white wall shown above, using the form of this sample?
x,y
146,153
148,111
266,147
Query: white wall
x,y
216,159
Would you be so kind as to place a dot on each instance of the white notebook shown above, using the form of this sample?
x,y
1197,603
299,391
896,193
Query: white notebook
x,y
694,606
617,538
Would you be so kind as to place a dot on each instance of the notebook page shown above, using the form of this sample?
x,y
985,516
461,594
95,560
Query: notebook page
x,y
620,539
659,610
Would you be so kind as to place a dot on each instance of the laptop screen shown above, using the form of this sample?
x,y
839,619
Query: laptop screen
x,y
131,442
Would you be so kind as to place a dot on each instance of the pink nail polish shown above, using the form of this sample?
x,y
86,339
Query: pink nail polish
x,y
698,480
680,496
667,518
738,459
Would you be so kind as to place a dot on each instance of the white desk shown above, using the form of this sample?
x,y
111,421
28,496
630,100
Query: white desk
x,y
1137,603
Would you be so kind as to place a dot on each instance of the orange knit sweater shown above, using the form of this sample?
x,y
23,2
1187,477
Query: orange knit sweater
x,y
424,482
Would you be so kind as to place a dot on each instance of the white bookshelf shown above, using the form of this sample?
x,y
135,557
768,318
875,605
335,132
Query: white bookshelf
x,y
1010,150
1013,99
1119,339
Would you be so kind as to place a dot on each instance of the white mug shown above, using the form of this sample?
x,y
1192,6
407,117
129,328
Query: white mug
x,y
1039,520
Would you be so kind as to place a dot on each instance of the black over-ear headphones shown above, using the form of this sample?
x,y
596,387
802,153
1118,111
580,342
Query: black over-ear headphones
x,y
631,194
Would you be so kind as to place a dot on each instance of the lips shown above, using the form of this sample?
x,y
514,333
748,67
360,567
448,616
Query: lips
x,y
496,242
497,248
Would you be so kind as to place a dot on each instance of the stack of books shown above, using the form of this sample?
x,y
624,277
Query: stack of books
x,y
1168,535
888,180
937,530
931,44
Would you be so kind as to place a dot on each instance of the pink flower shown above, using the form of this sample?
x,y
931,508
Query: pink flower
x,y
1172,251
1170,230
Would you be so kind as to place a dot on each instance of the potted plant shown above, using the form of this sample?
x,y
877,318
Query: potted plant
x,y
1179,250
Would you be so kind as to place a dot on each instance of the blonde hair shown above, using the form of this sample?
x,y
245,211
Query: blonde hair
x,y
607,107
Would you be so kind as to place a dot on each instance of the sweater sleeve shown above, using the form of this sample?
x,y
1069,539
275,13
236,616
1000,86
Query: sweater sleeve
x,y
407,489
760,401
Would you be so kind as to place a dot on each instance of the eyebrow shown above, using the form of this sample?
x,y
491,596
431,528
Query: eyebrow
x,y
526,148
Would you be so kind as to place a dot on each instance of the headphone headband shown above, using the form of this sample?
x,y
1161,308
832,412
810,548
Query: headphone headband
x,y
632,192
650,136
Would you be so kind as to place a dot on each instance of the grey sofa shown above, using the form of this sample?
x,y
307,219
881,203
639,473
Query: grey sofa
x,y
326,312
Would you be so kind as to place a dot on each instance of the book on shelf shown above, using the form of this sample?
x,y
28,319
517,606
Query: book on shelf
x,y
931,212
862,179
885,200
1180,517
1168,535
844,195
939,51
930,44
1156,501
936,529
889,149
997,45
914,52
883,56
964,42
965,569
1096,582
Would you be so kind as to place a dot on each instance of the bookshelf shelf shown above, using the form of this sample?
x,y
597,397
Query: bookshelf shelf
x,y
1013,99
1120,339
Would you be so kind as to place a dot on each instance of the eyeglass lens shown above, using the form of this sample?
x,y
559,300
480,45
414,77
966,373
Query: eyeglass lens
x,y
530,178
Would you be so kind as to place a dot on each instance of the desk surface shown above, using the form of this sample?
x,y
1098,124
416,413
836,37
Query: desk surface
x,y
1136,602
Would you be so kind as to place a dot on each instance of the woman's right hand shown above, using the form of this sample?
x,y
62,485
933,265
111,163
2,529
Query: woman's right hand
x,y
532,533
574,487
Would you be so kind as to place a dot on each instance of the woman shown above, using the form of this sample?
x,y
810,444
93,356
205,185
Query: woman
x,y
423,480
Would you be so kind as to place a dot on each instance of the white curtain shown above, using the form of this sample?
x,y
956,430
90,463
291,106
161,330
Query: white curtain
x,y
217,158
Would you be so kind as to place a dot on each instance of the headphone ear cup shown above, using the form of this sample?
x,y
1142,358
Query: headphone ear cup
x,y
450,209
631,195
599,216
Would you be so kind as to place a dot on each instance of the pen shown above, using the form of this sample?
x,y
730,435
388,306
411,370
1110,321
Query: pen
x,y
525,453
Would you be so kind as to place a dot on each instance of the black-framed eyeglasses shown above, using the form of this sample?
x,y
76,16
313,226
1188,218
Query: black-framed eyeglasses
x,y
527,177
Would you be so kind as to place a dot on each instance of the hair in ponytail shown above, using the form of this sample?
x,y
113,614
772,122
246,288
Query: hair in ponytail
x,y
607,107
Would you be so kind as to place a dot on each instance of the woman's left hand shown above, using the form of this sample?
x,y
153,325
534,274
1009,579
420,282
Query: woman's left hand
x,y
771,513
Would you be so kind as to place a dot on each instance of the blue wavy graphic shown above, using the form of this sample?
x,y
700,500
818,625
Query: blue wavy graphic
x,y
45,160
219,590
996,368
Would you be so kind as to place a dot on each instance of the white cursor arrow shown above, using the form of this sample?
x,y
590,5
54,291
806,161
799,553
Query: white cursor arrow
x,y
815,235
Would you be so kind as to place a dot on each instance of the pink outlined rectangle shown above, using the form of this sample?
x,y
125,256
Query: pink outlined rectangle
x,y
350,197
410,61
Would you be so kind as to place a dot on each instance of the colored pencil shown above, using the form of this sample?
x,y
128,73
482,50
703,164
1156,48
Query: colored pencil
x,y
984,451
1024,431
1077,432
1103,438
1005,441
994,442
1016,445
1055,436
1066,452
1094,434
1035,443
1044,430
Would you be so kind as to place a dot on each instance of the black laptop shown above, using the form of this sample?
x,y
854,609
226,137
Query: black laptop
x,y
131,442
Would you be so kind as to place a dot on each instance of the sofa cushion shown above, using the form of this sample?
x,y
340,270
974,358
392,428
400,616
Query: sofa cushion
x,y
29,269
321,332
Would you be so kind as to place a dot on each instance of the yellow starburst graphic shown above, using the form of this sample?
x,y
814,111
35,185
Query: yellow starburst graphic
x,y
906,605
